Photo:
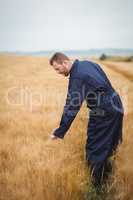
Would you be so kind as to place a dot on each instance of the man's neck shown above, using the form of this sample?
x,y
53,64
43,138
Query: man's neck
x,y
71,64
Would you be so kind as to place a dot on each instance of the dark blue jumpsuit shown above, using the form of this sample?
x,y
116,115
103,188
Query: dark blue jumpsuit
x,y
87,81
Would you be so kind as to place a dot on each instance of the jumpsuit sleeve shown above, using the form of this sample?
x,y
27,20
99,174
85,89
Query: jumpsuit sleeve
x,y
74,100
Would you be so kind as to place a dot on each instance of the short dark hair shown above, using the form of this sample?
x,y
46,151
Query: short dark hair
x,y
58,57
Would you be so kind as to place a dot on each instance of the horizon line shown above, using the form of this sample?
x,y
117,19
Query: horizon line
x,y
59,50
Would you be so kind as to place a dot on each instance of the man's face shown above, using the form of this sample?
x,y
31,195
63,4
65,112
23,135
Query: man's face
x,y
62,68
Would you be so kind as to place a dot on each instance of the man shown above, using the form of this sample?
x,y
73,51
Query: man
x,y
87,81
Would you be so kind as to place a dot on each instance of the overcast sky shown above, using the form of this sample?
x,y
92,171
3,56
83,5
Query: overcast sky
x,y
34,25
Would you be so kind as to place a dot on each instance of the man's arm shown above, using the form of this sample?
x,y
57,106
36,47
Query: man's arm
x,y
75,97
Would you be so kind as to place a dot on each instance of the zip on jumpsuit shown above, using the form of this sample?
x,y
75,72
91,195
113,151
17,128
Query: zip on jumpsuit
x,y
88,81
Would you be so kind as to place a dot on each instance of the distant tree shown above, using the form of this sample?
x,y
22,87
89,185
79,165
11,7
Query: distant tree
x,y
103,57
129,59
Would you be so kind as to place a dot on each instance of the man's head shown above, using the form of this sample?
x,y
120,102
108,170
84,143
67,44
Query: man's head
x,y
61,63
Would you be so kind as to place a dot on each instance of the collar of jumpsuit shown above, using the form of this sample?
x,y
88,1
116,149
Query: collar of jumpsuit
x,y
73,67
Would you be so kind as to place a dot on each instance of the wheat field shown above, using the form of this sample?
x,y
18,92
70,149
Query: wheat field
x,y
31,165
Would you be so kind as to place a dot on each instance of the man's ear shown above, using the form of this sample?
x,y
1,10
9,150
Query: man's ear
x,y
65,62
